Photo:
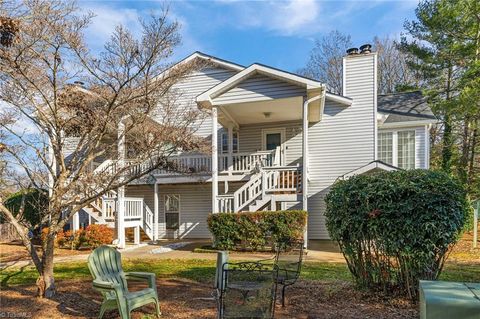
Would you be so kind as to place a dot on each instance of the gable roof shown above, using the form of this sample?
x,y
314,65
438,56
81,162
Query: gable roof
x,y
238,67
210,58
370,167
405,106
209,95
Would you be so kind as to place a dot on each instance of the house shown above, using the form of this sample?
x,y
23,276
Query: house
x,y
279,141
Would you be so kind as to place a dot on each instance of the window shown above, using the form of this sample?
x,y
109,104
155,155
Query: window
x,y
397,148
172,211
406,149
225,142
385,147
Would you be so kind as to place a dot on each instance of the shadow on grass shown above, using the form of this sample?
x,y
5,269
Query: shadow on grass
x,y
9,274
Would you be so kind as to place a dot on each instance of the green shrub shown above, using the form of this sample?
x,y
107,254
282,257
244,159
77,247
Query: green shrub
x,y
395,228
36,204
256,230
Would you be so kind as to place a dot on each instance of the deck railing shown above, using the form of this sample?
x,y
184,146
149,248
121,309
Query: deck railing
x,y
133,208
236,163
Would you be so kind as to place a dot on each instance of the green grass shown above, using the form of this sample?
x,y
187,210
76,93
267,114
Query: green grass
x,y
202,270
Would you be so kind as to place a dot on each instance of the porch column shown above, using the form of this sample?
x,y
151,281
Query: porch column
x,y
155,212
214,159
230,149
121,190
305,164
76,221
136,235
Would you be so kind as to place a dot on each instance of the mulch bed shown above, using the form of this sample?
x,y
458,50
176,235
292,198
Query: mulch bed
x,y
180,298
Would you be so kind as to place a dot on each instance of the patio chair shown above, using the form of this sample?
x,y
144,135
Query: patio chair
x,y
288,258
111,281
249,291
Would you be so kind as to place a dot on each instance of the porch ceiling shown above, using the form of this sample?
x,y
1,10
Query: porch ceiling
x,y
278,110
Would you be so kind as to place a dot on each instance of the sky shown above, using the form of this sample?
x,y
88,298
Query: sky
x,y
276,33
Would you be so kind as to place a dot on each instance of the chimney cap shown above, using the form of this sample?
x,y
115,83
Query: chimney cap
x,y
366,48
352,51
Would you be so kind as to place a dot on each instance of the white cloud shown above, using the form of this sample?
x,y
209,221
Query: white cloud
x,y
106,19
284,17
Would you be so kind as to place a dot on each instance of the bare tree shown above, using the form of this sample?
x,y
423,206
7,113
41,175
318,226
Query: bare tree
x,y
326,60
108,115
393,71
326,63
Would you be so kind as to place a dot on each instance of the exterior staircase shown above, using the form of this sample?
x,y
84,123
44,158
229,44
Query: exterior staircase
x,y
266,187
137,213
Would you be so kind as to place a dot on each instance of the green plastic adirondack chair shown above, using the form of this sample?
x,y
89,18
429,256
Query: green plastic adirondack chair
x,y
109,278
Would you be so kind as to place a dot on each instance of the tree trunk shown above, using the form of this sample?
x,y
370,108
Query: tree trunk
x,y
46,281
447,130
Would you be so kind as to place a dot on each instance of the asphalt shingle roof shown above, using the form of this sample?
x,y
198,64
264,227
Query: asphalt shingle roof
x,y
407,106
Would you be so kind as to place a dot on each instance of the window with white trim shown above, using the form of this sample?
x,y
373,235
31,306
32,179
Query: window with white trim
x,y
385,147
172,211
397,148
406,149
225,142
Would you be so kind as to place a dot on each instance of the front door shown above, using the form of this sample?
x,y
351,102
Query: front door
x,y
172,215
273,138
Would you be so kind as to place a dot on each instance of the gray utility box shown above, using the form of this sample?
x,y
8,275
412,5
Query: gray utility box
x,y
449,300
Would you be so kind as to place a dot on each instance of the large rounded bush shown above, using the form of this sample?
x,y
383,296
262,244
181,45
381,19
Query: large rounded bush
x,y
35,204
256,230
395,228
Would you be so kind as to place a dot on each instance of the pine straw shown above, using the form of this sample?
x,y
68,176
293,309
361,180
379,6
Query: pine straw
x,y
181,298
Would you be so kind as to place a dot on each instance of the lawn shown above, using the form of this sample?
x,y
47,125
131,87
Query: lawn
x,y
199,270
203,271
184,286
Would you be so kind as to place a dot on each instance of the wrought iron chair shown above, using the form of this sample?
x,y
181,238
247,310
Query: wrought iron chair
x,y
249,290
109,278
288,258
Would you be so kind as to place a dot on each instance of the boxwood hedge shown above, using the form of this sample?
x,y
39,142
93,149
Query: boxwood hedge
x,y
395,228
256,230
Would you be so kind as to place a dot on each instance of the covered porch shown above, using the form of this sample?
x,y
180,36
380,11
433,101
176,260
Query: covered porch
x,y
264,100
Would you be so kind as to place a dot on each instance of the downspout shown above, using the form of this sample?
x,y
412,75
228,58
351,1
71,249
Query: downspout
x,y
305,174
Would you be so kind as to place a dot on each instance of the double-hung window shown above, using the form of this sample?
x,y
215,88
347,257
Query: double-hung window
x,y
172,211
225,142
397,148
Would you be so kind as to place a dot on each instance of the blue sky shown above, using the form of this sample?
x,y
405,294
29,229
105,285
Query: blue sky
x,y
276,33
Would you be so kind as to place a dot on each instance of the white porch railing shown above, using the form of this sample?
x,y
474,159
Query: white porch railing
x,y
225,203
236,163
133,208
109,207
269,181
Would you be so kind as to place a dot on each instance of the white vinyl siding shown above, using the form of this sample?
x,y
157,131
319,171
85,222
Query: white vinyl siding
x,y
342,141
195,205
195,84
259,88
251,139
